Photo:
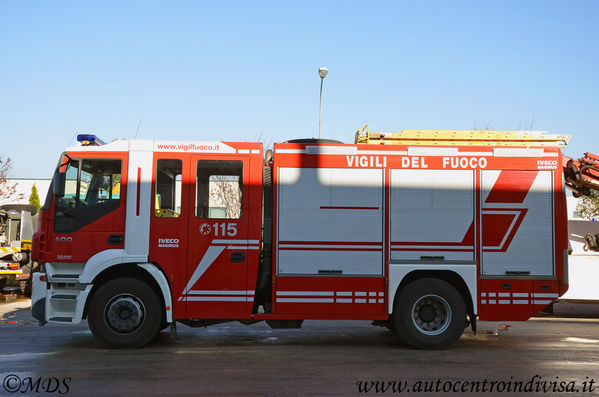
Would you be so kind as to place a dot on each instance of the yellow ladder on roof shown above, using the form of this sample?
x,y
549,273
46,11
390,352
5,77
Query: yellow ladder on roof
x,y
461,138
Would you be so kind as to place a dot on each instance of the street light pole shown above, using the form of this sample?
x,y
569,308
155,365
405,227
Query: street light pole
x,y
322,72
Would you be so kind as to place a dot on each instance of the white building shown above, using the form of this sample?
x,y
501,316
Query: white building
x,y
583,265
23,186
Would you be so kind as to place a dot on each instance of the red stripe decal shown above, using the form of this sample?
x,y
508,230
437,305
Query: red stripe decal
x,y
511,186
496,226
433,249
469,237
468,240
328,249
432,244
323,207
138,191
332,242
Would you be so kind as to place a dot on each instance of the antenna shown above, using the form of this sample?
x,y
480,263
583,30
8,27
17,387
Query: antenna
x,y
76,133
137,130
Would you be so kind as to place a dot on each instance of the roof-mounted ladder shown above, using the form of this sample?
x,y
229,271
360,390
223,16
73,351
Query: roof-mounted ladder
x,y
461,138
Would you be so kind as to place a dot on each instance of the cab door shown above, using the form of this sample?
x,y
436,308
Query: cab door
x,y
169,221
89,209
218,238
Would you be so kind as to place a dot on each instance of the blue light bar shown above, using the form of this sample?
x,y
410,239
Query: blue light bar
x,y
89,140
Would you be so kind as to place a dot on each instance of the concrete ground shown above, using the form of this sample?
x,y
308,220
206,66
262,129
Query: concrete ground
x,y
322,358
576,309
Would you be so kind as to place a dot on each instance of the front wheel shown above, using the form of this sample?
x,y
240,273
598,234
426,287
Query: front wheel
x,y
429,314
124,313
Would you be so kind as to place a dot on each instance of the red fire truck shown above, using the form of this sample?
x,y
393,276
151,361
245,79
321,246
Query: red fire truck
x,y
421,231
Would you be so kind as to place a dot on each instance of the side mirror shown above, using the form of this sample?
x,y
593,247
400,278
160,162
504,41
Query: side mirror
x,y
58,184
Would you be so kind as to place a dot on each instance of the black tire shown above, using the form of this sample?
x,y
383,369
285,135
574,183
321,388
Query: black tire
x,y
28,290
124,313
429,314
23,287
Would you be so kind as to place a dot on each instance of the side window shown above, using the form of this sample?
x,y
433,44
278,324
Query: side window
x,y
71,174
100,181
219,188
92,189
167,200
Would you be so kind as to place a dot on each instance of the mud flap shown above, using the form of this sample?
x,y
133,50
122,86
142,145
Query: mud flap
x,y
472,322
38,297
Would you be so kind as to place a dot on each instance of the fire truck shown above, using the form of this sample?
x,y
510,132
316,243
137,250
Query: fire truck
x,y
424,232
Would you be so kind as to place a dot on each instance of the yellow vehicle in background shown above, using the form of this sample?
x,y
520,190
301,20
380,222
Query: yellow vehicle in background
x,y
17,224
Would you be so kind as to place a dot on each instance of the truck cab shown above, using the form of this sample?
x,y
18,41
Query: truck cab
x,y
155,215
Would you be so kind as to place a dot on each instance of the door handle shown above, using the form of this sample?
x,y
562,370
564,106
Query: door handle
x,y
330,271
115,239
238,257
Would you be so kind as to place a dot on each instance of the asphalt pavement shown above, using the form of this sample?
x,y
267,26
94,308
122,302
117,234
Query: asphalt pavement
x,y
550,355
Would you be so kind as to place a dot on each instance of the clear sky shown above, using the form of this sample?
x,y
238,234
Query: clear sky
x,y
248,70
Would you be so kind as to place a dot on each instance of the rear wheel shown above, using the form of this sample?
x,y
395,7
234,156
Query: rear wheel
x,y
124,313
429,314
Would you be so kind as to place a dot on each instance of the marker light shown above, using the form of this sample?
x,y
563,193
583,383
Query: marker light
x,y
89,140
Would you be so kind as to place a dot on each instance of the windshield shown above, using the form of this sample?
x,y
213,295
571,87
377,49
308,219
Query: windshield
x,y
48,202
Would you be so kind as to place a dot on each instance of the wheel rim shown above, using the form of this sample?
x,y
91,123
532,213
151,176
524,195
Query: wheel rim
x,y
124,313
431,315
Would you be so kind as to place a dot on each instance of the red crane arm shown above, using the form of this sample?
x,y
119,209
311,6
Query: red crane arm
x,y
582,175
